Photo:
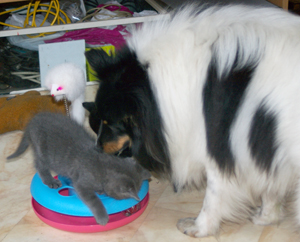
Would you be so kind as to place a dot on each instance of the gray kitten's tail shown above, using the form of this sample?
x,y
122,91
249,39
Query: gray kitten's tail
x,y
22,146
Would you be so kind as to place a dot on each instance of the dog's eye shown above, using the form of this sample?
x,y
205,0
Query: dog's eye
x,y
104,122
127,119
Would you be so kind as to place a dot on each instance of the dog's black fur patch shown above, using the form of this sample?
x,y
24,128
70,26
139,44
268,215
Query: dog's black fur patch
x,y
222,97
262,138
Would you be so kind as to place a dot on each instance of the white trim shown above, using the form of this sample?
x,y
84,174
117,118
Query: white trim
x,y
85,25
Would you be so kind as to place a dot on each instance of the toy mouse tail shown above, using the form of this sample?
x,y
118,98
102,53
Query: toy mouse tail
x,y
22,146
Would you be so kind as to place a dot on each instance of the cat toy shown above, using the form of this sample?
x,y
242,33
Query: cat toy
x,y
62,209
67,81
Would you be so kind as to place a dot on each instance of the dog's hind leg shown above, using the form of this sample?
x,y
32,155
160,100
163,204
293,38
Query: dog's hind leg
x,y
297,204
209,219
269,212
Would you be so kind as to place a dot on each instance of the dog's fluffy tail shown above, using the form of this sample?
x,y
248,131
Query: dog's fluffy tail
x,y
22,146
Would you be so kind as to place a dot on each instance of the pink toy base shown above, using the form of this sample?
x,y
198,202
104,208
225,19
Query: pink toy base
x,y
88,224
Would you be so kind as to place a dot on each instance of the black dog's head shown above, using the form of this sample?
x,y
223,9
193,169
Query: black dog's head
x,y
125,113
116,103
113,138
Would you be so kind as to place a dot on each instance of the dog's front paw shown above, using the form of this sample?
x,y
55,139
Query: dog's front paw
x,y
188,226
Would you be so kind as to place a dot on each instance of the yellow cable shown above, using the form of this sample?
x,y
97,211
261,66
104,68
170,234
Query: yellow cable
x,y
43,34
57,12
47,13
27,15
16,9
54,4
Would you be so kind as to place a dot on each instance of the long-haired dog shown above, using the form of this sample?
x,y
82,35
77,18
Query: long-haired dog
x,y
210,95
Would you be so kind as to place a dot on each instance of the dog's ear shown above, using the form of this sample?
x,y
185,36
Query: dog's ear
x,y
99,61
90,106
98,58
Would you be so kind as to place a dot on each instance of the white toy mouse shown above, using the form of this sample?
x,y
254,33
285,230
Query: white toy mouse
x,y
68,80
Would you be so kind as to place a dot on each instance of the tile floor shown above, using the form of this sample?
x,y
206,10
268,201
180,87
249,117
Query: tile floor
x,y
18,221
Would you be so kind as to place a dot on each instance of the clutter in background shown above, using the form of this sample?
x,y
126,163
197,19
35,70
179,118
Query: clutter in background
x,y
36,10
74,9
112,35
110,10
28,41
95,36
67,11
37,15
144,13
19,62
15,60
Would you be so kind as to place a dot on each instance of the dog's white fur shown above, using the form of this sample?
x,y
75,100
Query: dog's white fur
x,y
68,79
178,51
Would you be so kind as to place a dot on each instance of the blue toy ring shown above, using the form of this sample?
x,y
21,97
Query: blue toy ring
x,y
71,204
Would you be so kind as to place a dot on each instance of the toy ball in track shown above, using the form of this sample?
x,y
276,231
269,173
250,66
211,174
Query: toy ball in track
x,y
62,209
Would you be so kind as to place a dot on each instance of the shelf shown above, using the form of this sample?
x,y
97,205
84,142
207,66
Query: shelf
x,y
11,1
85,25
281,3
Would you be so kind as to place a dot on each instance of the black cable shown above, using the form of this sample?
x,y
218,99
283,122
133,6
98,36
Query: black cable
x,y
16,59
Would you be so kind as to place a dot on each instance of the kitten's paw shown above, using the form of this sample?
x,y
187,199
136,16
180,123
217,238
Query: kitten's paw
x,y
102,220
189,227
55,183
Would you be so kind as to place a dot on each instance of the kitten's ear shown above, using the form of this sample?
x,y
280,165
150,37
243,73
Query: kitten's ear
x,y
145,174
90,106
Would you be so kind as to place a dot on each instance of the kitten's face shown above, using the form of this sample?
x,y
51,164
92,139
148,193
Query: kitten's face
x,y
127,182
122,188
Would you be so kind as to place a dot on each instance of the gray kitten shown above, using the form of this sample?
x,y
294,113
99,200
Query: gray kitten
x,y
63,146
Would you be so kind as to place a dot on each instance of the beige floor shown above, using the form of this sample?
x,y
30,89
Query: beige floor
x,y
18,222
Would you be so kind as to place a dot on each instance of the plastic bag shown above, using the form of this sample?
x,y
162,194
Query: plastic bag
x,y
113,11
74,9
95,36
22,40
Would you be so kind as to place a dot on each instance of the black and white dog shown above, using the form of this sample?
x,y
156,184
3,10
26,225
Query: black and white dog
x,y
210,95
